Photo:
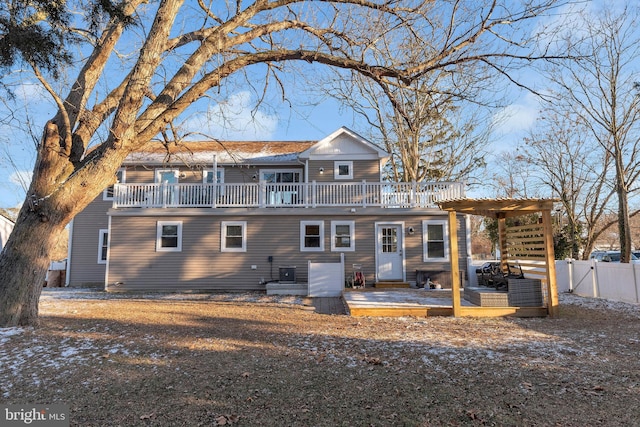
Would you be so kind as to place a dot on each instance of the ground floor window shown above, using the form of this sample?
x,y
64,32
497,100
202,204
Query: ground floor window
x,y
343,236
234,236
435,240
103,246
169,236
312,236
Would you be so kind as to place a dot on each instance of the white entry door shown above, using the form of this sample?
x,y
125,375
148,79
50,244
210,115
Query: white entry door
x,y
389,257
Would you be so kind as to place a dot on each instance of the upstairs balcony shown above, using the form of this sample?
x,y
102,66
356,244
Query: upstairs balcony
x,y
286,195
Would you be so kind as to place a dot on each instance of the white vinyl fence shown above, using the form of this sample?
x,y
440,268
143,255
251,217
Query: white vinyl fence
x,y
608,280
326,279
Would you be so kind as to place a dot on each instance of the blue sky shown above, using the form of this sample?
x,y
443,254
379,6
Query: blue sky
x,y
299,120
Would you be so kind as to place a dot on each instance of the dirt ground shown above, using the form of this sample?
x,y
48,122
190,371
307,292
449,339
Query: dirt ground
x,y
253,360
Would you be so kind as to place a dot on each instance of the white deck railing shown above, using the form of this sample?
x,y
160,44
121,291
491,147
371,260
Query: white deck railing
x,y
314,194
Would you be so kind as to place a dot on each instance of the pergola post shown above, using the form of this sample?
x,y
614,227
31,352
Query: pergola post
x,y
455,264
502,240
552,286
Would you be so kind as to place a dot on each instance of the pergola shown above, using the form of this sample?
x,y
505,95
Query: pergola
x,y
531,246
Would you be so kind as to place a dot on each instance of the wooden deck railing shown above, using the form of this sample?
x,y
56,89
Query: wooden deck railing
x,y
314,194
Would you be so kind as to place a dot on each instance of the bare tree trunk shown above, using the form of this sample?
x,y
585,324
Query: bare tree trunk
x,y
624,229
23,267
54,199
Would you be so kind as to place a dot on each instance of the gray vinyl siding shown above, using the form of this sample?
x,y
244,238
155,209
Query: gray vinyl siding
x,y
363,170
135,265
84,269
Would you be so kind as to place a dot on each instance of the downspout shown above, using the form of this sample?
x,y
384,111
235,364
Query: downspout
x,y
106,267
67,278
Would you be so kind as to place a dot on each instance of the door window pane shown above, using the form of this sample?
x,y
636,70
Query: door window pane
x,y
389,240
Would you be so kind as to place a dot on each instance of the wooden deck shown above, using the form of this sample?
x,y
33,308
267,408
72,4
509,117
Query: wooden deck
x,y
423,303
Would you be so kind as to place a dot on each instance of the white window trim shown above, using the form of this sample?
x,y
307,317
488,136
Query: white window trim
x,y
263,172
336,169
352,236
303,224
123,174
101,234
176,173
159,247
219,188
223,236
425,241
206,171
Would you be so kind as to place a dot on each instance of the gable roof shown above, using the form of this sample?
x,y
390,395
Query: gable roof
x,y
226,152
344,144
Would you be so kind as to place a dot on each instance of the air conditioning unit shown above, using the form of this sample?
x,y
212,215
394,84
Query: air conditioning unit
x,y
287,274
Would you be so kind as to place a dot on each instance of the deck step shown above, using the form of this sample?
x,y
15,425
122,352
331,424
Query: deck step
x,y
392,285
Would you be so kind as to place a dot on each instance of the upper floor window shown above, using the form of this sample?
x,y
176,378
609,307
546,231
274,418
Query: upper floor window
x,y
343,170
169,176
312,236
435,240
207,176
169,236
108,192
280,176
343,236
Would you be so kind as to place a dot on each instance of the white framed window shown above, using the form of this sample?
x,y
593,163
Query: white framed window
x,y
170,176
107,194
343,170
234,236
343,236
435,240
169,236
312,236
280,176
103,245
207,176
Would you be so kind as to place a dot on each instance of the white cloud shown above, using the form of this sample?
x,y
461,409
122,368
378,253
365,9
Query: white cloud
x,y
21,178
31,92
517,117
234,119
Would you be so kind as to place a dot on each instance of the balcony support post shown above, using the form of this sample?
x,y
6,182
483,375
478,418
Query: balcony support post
x,y
364,193
412,194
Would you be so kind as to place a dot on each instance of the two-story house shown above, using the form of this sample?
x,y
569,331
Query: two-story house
x,y
236,215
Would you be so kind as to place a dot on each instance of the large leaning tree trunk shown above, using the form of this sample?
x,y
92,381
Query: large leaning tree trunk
x,y
190,49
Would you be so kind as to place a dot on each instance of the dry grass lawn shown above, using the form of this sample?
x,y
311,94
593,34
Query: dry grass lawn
x,y
251,360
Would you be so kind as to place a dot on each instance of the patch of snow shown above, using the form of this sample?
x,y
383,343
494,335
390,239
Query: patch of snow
x,y
600,304
6,333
